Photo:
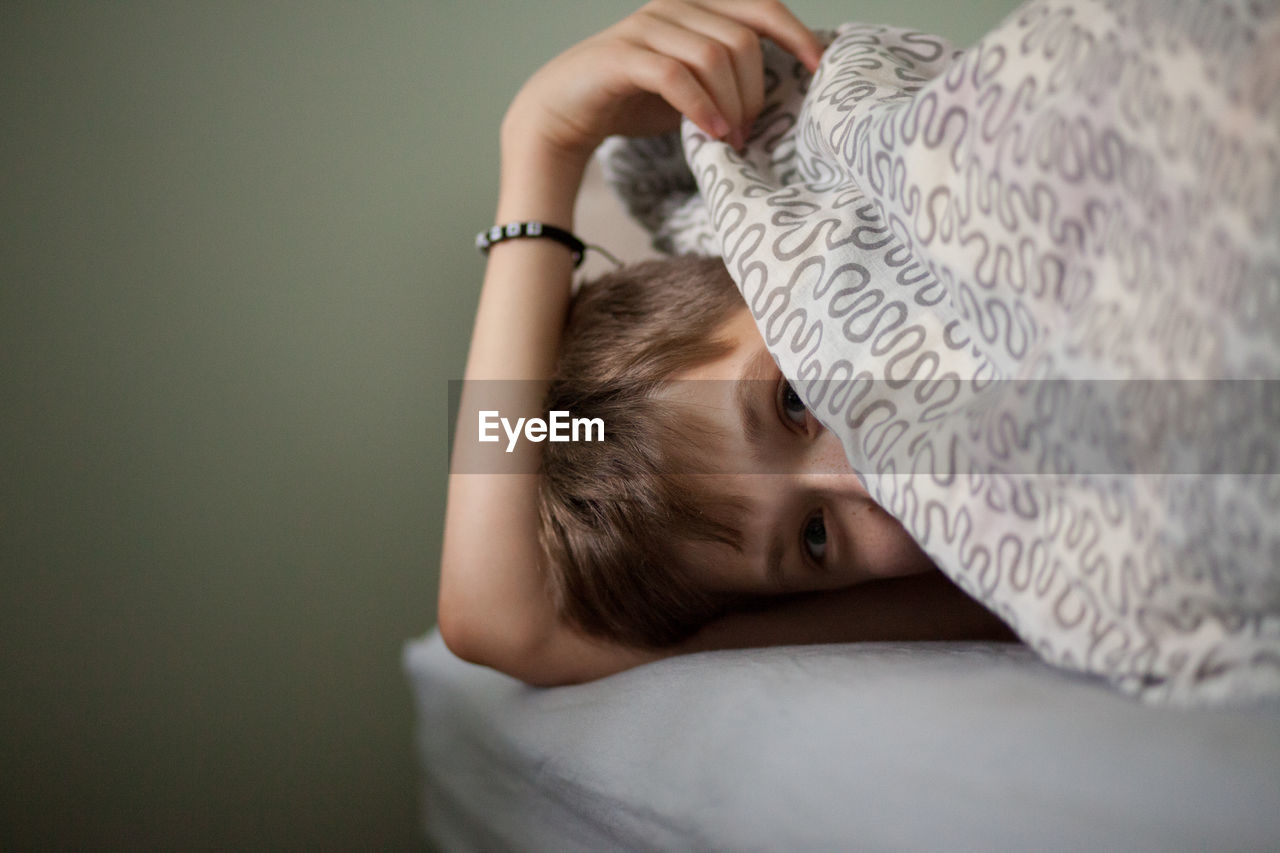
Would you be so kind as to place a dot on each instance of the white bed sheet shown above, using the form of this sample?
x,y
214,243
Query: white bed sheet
x,y
957,746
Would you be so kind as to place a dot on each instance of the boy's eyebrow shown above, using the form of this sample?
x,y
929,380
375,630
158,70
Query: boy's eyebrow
x,y
773,567
756,370
759,369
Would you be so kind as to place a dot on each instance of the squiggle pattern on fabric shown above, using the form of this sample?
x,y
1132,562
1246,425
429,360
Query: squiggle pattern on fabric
x,y
946,250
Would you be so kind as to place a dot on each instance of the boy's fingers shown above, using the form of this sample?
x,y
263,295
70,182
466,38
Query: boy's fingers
x,y
771,18
743,46
709,60
678,86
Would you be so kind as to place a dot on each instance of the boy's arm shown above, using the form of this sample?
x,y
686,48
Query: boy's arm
x,y
698,59
494,606
919,607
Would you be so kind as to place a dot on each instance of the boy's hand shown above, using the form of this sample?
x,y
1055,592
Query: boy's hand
x,y
699,58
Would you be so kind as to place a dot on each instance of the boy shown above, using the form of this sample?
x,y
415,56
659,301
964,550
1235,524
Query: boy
x,y
595,567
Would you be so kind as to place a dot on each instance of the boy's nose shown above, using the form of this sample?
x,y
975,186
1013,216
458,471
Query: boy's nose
x,y
827,471
825,456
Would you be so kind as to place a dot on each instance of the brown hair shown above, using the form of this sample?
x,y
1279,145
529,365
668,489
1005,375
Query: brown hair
x,y
614,513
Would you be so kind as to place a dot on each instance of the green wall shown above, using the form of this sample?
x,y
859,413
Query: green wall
x,y
235,277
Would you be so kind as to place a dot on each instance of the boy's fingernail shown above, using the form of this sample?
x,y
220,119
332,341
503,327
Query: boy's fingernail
x,y
719,128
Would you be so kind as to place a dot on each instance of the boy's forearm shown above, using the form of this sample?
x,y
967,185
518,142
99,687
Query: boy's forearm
x,y
526,283
921,607
539,180
494,605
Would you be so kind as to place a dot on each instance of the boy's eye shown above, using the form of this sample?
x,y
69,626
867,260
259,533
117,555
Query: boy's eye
x,y
815,537
791,404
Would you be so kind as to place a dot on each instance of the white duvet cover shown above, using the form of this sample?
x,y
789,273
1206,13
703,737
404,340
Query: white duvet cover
x,y
1035,289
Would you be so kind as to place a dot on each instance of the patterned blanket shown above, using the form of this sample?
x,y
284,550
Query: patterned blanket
x,y
1034,287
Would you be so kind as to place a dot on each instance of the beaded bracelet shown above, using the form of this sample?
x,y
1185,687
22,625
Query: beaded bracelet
x,y
522,230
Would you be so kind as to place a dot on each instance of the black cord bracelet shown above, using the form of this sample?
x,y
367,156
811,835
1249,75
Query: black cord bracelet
x,y
524,230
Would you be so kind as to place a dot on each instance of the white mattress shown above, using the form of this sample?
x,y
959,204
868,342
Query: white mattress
x,y
957,746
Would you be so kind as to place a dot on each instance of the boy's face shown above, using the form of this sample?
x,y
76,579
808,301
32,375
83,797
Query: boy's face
x,y
812,527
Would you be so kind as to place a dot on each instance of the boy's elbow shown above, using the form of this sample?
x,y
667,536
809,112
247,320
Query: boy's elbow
x,y
458,636
509,651
460,626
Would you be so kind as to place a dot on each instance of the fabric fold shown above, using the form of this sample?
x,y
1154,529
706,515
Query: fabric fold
x,y
1034,287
